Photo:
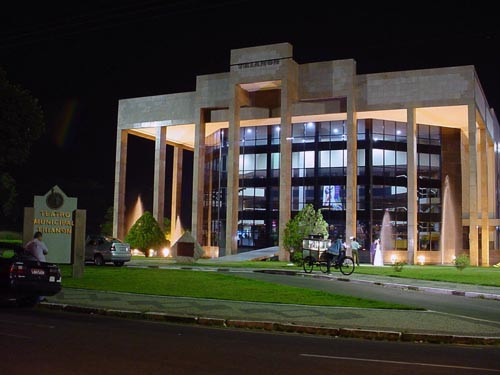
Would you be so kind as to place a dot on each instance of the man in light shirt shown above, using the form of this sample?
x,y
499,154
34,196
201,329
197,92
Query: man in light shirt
x,y
37,248
354,248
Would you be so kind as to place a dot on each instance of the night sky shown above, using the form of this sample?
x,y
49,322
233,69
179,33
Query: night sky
x,y
80,58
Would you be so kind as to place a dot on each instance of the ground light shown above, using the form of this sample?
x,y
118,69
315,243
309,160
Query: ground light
x,y
165,252
421,259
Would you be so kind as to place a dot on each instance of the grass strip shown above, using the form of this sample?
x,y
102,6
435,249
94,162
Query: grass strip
x,y
209,285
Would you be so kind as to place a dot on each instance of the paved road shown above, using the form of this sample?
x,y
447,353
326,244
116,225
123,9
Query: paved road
x,y
51,343
457,305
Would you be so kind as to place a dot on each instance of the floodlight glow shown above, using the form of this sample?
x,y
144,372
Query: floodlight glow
x,y
165,252
394,258
421,259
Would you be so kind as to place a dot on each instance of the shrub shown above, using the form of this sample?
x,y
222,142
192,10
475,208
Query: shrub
x,y
297,258
146,234
306,222
398,266
462,261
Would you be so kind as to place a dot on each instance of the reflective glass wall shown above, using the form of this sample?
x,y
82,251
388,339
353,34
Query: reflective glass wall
x,y
319,161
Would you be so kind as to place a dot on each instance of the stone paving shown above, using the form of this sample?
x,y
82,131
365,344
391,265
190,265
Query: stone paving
x,y
336,317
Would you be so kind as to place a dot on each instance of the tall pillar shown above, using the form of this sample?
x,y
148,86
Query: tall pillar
x,y
198,176
352,169
175,223
285,187
485,224
233,159
120,177
412,213
159,175
473,207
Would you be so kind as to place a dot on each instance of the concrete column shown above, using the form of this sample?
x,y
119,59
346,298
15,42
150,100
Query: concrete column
x,y
352,169
159,175
28,232
473,206
285,190
198,176
78,256
485,224
412,213
175,222
233,159
120,178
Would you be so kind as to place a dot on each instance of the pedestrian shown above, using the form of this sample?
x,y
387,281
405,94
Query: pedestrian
x,y
37,248
333,252
355,250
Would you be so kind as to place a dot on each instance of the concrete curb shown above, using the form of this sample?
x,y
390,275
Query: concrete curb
x,y
278,327
427,289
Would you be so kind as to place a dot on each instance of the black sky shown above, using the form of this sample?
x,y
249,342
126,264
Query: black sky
x,y
87,56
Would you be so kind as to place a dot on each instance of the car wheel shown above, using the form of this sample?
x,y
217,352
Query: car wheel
x,y
27,301
98,260
119,264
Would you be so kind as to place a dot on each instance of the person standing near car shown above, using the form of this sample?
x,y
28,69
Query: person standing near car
x,y
37,248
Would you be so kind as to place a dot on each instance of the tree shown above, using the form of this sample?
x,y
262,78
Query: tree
x,y
146,234
107,226
21,124
306,222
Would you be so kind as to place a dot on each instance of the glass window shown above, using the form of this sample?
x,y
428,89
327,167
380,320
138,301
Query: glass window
x,y
261,135
324,159
309,159
261,162
390,157
378,157
361,157
337,158
361,130
301,195
378,127
401,158
275,135
324,131
275,160
333,197
337,131
423,159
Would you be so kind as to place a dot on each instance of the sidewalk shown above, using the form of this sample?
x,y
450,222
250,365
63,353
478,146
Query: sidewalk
x,y
404,325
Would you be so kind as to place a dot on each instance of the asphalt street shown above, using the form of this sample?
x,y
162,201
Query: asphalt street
x,y
54,343
457,305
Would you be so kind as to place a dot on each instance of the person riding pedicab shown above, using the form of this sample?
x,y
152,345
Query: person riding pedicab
x,y
333,252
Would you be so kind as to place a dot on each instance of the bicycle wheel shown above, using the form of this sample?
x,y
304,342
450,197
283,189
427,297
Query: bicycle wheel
x,y
347,266
322,266
308,264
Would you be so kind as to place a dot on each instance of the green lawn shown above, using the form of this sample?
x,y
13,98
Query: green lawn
x,y
471,275
18,242
208,285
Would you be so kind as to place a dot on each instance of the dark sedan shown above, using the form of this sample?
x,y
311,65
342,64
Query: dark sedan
x,y
23,278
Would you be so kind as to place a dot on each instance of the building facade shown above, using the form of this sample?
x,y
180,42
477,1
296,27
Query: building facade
x,y
418,148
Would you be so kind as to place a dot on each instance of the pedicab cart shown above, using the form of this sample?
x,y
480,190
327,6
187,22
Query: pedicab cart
x,y
313,252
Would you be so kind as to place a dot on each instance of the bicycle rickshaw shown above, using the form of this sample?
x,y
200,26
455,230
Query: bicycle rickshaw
x,y
314,253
